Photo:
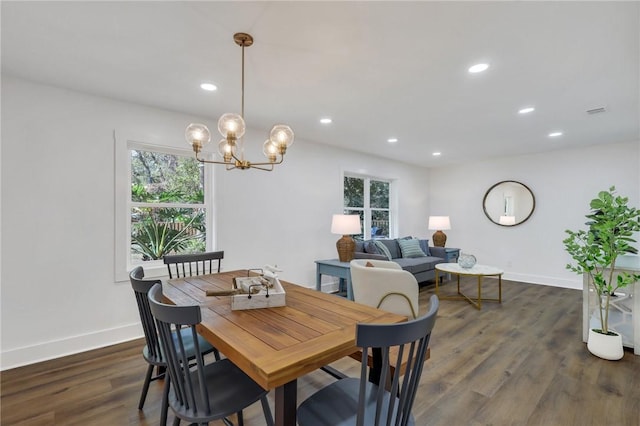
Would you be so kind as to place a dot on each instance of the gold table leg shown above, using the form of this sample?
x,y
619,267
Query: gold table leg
x,y
477,303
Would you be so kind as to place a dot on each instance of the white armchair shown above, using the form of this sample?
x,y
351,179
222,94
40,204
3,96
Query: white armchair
x,y
385,285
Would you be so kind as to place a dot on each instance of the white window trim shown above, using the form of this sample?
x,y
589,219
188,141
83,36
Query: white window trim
x,y
122,264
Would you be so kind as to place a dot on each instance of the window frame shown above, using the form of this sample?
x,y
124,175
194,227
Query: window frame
x,y
124,204
367,209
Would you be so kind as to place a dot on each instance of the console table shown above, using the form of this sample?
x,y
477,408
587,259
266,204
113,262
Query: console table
x,y
334,268
624,309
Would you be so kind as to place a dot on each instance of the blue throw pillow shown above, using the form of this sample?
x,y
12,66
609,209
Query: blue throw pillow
x,y
410,248
371,248
383,249
424,245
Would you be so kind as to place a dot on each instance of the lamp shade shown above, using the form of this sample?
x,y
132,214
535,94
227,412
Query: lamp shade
x,y
507,220
345,224
439,223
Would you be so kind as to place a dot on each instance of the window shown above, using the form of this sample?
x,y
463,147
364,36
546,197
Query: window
x,y
163,199
167,207
369,198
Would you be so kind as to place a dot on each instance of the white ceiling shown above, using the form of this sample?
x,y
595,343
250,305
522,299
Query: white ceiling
x,y
379,69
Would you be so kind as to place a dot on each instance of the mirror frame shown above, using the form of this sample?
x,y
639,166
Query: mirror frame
x,y
484,202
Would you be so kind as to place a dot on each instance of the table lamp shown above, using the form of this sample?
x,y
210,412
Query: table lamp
x,y
345,225
438,223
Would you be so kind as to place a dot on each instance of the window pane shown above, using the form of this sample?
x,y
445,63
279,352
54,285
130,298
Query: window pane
x,y
380,224
379,194
158,177
159,231
361,214
353,192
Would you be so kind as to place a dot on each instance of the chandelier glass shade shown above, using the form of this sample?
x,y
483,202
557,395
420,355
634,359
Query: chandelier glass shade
x,y
232,128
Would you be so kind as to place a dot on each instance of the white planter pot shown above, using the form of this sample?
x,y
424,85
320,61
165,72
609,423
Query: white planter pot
x,y
605,347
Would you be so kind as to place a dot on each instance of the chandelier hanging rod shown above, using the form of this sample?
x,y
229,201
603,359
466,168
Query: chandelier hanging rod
x,y
232,127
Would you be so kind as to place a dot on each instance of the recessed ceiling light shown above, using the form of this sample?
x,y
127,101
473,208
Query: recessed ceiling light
x,y
392,140
436,154
209,87
478,68
526,110
555,134
326,120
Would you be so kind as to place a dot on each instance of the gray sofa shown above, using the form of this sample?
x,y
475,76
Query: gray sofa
x,y
423,268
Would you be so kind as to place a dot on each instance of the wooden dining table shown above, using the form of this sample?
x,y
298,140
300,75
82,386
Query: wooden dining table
x,y
276,346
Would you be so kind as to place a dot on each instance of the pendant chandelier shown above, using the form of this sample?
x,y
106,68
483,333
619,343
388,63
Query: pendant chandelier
x,y
232,127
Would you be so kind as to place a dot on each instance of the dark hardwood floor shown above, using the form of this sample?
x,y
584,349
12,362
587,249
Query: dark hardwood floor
x,y
519,363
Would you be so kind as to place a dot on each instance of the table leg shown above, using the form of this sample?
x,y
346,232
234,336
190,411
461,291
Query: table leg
x,y
479,291
349,287
286,402
318,279
437,274
500,288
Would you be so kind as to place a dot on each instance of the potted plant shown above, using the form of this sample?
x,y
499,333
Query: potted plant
x,y
595,251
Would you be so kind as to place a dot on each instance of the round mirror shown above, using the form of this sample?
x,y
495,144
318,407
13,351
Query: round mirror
x,y
508,203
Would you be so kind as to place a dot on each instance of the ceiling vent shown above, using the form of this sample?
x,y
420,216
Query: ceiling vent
x,y
596,110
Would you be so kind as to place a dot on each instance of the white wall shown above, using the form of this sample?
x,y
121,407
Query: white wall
x,y
284,218
58,293
563,183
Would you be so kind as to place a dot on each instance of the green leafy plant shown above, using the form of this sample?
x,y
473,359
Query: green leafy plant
x,y
153,239
595,251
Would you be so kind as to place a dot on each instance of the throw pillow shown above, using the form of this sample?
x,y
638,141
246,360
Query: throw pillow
x,y
424,245
383,249
370,247
369,265
410,248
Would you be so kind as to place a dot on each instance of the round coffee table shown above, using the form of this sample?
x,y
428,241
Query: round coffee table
x,y
477,271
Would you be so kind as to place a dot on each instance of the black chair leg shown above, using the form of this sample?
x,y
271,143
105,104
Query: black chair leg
x,y
145,387
267,411
165,402
240,418
176,421
216,354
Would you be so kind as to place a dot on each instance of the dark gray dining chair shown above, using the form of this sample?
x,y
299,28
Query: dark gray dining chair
x,y
201,393
184,265
357,401
152,352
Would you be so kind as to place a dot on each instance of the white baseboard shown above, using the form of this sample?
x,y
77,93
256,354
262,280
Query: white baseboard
x,y
544,280
58,348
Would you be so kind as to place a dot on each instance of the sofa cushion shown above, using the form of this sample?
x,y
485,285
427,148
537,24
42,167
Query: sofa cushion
x,y
383,249
416,265
360,246
410,248
392,246
370,247
424,245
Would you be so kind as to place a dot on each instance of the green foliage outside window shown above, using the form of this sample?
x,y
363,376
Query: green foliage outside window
x,y
170,179
353,192
379,194
375,213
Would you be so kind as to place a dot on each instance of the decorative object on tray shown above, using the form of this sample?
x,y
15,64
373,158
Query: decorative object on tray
x,y
466,261
612,225
254,292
